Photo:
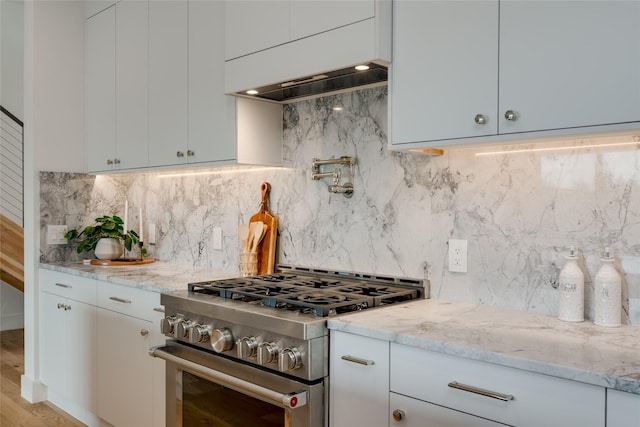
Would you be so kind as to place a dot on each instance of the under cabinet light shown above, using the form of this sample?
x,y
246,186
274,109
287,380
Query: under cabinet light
x,y
570,147
252,92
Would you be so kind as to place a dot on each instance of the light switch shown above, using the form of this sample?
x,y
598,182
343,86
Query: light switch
x,y
55,235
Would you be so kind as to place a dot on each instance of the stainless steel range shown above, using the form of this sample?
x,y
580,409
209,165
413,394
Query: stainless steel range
x,y
262,341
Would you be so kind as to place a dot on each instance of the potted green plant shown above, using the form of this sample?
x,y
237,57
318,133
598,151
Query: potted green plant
x,y
104,238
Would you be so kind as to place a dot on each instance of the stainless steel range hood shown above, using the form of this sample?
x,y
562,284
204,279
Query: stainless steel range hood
x,y
321,84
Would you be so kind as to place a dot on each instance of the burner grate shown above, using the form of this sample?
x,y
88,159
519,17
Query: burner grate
x,y
321,296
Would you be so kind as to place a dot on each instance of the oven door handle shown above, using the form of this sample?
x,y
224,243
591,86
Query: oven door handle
x,y
292,400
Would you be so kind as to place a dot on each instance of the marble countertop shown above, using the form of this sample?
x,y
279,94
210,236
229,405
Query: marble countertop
x,y
607,357
154,277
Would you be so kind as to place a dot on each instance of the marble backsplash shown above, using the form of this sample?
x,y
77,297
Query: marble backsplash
x,y
519,211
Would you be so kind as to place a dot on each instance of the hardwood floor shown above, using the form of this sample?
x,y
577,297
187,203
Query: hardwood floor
x,y
14,410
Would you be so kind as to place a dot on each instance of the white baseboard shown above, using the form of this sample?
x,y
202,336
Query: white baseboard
x,y
33,391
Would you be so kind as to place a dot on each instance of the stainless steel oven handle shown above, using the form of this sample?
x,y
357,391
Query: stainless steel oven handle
x,y
290,400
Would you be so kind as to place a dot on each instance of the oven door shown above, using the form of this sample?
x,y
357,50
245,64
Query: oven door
x,y
205,389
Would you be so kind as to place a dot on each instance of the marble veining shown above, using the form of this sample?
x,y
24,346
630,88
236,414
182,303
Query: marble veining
x,y
520,212
529,341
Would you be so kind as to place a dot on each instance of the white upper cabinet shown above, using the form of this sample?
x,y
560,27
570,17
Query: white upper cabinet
x,y
567,64
168,82
485,71
101,91
274,41
132,89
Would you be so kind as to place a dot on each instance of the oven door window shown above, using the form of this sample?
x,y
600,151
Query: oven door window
x,y
205,403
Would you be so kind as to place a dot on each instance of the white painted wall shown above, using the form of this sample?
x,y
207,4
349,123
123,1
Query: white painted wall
x,y
54,103
11,56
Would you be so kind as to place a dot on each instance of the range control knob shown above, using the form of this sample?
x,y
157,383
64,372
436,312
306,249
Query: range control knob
x,y
221,340
247,347
290,359
168,325
267,353
183,328
199,334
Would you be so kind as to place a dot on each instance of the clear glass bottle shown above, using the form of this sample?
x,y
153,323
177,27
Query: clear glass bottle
x,y
608,293
571,290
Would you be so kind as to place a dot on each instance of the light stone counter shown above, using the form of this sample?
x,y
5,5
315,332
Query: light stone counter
x,y
608,357
155,277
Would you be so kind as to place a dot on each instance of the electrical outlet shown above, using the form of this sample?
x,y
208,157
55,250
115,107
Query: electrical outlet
x,y
55,234
458,256
217,238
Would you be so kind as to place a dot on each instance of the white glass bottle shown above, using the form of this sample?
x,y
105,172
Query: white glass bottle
x,y
608,293
571,290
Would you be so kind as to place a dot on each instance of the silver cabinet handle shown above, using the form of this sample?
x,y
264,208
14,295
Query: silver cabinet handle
x,y
116,161
480,119
159,309
511,115
358,360
109,161
144,332
179,154
398,415
191,153
62,285
481,391
122,300
60,305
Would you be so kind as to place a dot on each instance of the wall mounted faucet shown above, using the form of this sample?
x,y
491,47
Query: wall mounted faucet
x,y
336,174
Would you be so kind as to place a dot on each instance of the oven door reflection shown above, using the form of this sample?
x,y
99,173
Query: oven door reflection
x,y
206,404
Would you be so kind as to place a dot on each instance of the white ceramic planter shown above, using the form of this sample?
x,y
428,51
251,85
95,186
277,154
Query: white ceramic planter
x,y
108,248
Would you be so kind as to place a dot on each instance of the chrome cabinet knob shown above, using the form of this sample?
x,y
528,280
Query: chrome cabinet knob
x,y
190,153
398,415
116,161
267,353
247,347
109,161
221,340
511,115
290,359
480,119
199,333
179,154
144,332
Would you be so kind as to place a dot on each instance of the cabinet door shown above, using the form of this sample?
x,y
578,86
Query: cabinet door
x,y
212,115
444,71
567,64
81,354
132,88
417,413
101,90
255,25
315,16
623,409
359,386
168,82
53,342
125,373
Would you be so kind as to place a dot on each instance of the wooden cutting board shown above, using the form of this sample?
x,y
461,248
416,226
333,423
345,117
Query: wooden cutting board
x,y
267,247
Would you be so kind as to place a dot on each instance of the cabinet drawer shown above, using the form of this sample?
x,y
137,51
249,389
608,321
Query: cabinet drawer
x,y
68,286
130,301
537,400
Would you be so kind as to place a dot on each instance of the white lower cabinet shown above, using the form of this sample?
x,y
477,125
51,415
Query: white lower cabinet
x,y
130,393
68,342
623,409
359,381
94,350
408,412
501,394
